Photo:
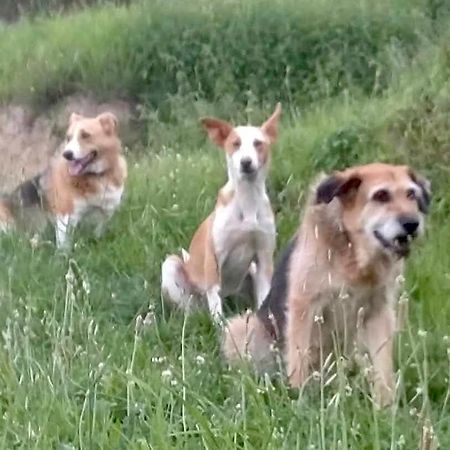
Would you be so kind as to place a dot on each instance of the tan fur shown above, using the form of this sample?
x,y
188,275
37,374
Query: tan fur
x,y
74,195
99,133
247,340
201,268
341,285
344,262
64,189
241,206
6,218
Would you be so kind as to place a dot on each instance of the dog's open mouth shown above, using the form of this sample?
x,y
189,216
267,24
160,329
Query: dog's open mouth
x,y
400,245
78,166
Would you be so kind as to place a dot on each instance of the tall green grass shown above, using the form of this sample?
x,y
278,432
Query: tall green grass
x,y
79,371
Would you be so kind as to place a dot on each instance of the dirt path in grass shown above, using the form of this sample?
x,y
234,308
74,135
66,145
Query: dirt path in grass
x,y
28,139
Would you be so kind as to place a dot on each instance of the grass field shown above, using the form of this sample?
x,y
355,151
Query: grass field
x,y
77,369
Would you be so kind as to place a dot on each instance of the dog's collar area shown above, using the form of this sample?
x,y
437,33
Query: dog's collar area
x,y
249,220
249,175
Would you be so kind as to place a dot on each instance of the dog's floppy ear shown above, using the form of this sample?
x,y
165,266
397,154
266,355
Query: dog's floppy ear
x,y
109,122
425,188
218,130
270,126
336,186
74,117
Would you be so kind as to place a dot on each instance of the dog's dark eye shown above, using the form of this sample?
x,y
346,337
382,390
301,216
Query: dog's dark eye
x,y
257,143
84,134
382,196
236,144
411,194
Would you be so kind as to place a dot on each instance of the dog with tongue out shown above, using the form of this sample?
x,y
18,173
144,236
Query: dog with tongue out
x,y
84,182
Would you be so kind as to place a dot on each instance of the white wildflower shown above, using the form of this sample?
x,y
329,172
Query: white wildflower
x,y
316,375
200,360
166,375
158,359
34,241
318,319
422,333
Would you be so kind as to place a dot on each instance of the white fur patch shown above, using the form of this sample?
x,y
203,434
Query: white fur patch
x,y
247,151
171,284
74,144
97,209
242,229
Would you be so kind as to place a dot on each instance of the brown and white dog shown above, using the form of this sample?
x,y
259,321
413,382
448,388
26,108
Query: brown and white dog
x,y
85,180
336,281
237,240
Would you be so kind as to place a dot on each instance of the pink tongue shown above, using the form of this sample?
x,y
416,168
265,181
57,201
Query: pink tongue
x,y
75,168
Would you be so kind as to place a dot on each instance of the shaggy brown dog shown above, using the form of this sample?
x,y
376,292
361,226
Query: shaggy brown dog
x,y
336,282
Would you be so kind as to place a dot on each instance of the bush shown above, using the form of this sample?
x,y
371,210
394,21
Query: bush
x,y
11,10
260,49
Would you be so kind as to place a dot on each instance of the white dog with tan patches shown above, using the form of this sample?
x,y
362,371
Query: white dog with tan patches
x,y
84,181
237,239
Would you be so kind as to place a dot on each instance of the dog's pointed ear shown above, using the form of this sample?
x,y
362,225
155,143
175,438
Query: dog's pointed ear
x,y
74,117
425,188
270,126
218,130
109,122
337,186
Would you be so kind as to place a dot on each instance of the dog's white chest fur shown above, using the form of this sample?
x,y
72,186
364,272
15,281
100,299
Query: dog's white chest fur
x,y
96,209
241,229
104,201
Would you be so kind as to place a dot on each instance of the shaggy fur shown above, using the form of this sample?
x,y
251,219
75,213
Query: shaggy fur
x,y
336,284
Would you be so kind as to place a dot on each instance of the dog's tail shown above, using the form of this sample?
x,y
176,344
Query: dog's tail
x,y
175,284
246,338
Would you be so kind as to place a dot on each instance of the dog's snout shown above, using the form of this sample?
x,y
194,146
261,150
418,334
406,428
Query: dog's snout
x,y
409,224
68,154
246,165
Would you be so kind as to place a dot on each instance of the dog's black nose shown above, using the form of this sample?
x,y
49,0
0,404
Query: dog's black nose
x,y
409,224
246,165
68,154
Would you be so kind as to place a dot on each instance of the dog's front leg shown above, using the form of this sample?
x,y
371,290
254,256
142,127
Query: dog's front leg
x,y
262,276
298,340
215,303
212,283
378,335
63,225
